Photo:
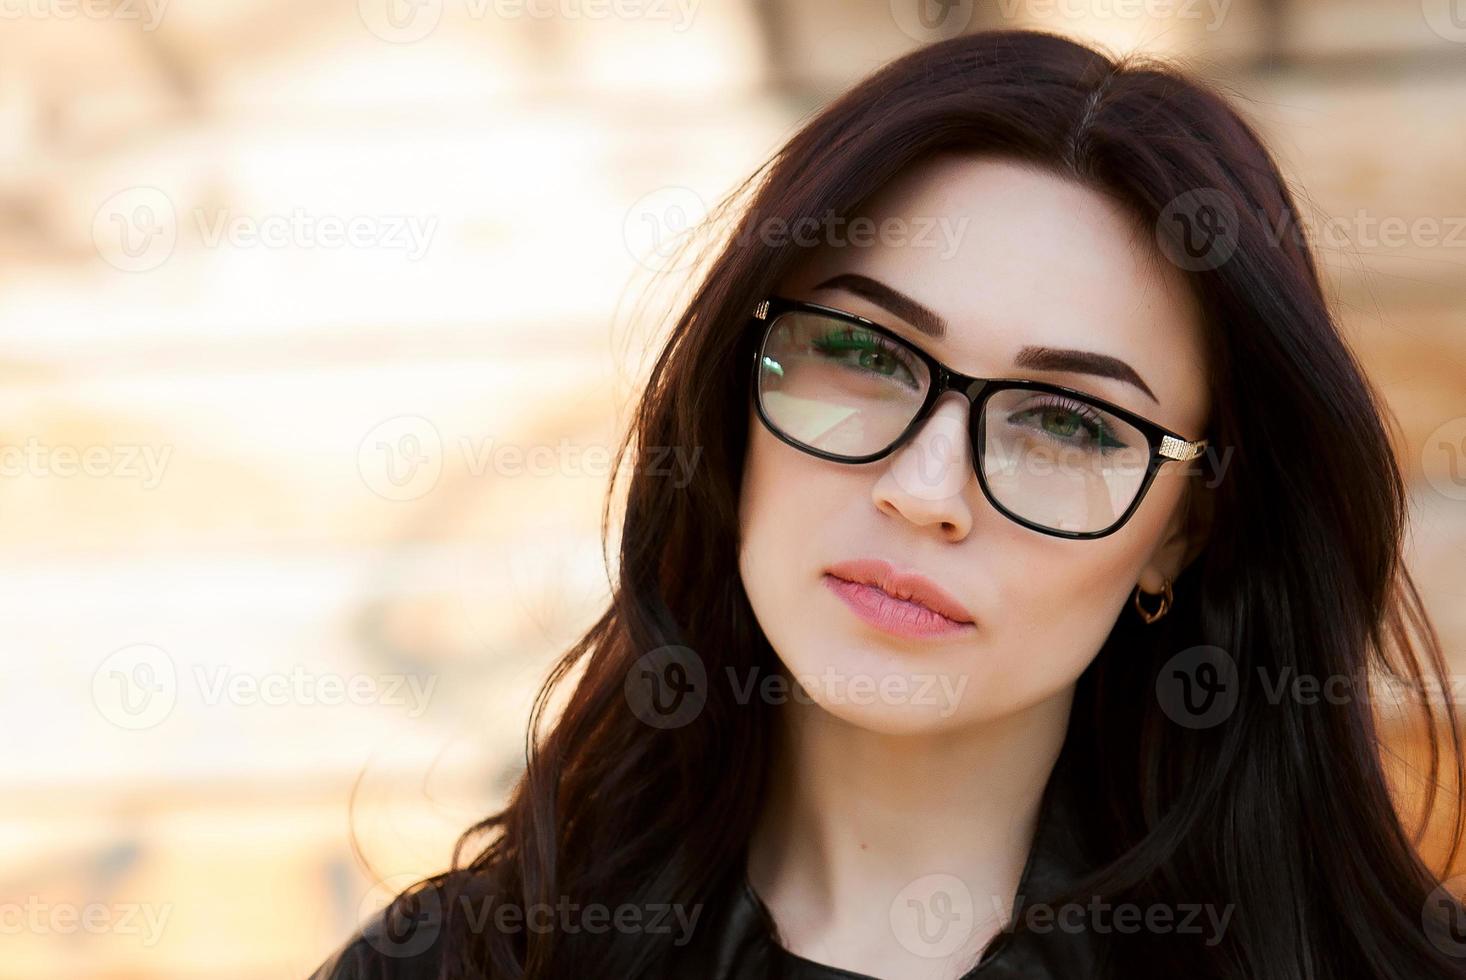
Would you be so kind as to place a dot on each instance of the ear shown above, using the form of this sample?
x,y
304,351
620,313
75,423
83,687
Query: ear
x,y
1185,536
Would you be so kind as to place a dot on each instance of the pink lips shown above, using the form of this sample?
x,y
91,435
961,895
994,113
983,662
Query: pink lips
x,y
904,604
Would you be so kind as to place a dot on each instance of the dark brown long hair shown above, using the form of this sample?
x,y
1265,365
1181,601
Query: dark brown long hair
x,y
1283,812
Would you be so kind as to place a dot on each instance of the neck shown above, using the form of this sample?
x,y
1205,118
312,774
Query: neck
x,y
855,816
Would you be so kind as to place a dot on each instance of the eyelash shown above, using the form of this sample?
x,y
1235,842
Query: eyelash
x,y
863,341
1092,421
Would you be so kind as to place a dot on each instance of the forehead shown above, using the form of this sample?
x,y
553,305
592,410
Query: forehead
x,y
1011,256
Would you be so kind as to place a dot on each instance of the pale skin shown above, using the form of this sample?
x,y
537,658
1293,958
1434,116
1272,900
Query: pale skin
x,y
878,803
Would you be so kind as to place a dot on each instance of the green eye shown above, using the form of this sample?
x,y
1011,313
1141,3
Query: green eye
x,y
1070,422
1060,423
872,354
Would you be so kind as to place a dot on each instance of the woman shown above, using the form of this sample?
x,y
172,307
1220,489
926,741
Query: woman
x,y
1034,476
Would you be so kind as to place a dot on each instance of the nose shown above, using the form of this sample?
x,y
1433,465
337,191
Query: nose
x,y
925,480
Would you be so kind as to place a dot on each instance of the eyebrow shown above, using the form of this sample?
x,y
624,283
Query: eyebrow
x,y
1038,358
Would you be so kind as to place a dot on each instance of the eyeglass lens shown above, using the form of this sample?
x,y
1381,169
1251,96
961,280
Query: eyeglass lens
x,y
1051,459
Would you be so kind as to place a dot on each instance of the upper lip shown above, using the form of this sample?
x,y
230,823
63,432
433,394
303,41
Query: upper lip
x,y
903,585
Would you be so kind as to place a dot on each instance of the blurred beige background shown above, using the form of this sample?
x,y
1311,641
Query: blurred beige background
x,y
318,323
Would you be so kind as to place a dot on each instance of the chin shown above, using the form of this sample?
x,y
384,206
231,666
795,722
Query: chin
x,y
893,719
883,690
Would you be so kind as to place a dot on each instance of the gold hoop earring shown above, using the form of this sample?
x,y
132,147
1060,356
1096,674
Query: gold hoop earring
x,y
1161,610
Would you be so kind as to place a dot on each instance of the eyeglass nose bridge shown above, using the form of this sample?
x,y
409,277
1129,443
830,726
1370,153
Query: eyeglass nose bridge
x,y
949,380
943,381
974,389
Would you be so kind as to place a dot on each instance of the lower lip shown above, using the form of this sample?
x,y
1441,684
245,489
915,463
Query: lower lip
x,y
895,616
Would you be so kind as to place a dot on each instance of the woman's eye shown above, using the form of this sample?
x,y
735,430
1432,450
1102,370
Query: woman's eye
x,y
870,354
1059,422
1069,425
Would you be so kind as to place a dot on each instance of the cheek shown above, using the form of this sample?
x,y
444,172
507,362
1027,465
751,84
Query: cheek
x,y
795,512
778,512
1065,596
758,499
1066,599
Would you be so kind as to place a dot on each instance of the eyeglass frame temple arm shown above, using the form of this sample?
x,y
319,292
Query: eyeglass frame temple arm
x,y
1173,448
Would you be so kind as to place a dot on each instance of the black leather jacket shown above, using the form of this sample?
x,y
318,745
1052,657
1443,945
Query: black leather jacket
x,y
741,944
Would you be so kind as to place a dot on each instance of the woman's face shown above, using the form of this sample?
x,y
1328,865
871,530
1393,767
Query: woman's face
x,y
1020,259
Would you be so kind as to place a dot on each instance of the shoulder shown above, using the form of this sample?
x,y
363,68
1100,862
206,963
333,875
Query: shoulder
x,y
407,940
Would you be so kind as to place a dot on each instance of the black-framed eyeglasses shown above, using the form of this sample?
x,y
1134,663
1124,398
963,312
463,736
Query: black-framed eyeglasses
x,y
1056,460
